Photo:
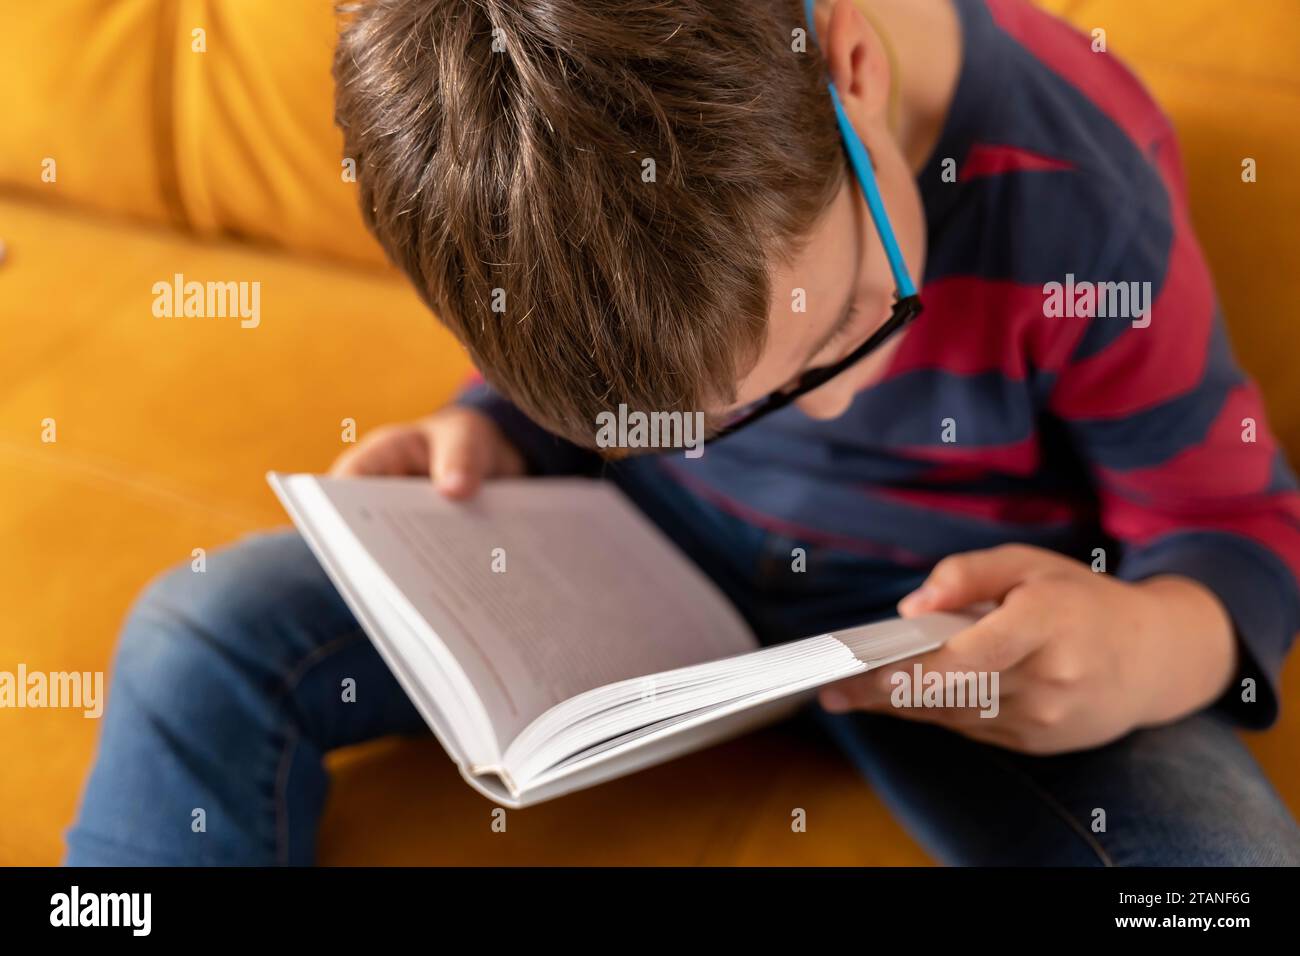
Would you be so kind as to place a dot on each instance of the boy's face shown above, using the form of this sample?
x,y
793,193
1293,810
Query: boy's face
x,y
847,283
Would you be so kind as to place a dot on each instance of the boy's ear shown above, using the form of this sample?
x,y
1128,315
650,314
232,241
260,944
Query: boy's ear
x,y
857,60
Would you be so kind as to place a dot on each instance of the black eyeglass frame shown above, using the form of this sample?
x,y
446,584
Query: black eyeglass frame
x,y
904,312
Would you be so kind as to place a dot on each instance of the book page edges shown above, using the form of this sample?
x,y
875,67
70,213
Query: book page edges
x,y
885,642
648,753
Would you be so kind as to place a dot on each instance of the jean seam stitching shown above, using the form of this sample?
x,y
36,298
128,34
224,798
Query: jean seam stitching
x,y
1055,806
289,683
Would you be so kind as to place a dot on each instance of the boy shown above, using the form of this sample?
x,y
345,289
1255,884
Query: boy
x,y
649,206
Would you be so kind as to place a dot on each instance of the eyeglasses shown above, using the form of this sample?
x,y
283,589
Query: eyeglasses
x,y
907,304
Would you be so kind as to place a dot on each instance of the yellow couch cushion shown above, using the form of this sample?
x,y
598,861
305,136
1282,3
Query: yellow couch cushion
x,y
164,430
213,115
77,85
256,147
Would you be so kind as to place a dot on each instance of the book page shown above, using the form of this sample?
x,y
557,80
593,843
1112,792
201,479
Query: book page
x,y
540,588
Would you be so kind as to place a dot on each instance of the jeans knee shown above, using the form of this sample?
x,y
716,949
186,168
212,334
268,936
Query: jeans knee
x,y
206,635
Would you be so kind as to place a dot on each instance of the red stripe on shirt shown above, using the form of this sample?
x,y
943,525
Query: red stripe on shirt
x,y
1196,476
1019,458
989,159
973,325
793,529
1256,520
1016,510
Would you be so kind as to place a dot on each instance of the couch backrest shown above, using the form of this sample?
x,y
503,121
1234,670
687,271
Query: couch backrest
x,y
229,131
213,115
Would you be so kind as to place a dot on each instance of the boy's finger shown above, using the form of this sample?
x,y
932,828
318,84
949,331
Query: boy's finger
x,y
965,579
368,458
387,451
854,693
347,465
458,463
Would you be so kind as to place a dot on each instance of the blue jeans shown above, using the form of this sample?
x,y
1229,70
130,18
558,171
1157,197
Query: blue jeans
x,y
225,697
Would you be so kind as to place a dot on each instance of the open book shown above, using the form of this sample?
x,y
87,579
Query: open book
x,y
552,636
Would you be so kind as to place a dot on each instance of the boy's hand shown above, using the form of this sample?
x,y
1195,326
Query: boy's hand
x,y
1082,658
457,447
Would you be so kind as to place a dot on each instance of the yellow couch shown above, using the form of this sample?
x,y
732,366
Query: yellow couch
x,y
195,137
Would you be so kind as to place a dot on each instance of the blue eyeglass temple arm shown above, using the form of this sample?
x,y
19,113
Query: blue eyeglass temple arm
x,y
860,160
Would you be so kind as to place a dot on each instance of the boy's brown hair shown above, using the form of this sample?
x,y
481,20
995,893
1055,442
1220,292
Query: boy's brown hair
x,y
501,150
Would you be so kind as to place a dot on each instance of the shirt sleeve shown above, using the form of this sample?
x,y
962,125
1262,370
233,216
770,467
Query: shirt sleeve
x,y
543,452
1189,478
